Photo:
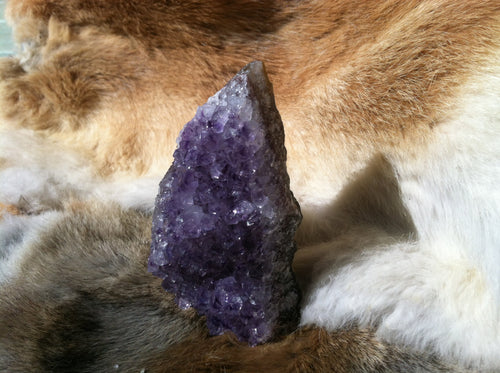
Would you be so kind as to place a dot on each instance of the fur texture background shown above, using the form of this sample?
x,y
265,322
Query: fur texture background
x,y
391,112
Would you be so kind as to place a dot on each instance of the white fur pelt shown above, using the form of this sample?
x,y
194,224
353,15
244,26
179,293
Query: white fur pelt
x,y
438,286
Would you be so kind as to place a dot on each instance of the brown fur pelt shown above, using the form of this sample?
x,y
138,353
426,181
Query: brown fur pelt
x,y
85,303
391,112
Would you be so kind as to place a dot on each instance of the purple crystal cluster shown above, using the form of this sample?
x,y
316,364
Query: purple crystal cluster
x,y
225,217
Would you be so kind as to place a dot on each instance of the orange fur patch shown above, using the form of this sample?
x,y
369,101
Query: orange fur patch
x,y
10,209
367,74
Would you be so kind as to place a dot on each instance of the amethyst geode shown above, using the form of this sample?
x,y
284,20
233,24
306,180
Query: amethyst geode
x,y
225,217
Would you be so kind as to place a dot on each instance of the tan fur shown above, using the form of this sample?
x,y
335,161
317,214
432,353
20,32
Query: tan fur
x,y
8,209
356,83
307,350
396,56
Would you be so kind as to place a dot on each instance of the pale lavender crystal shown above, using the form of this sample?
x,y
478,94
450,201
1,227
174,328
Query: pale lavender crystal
x,y
225,217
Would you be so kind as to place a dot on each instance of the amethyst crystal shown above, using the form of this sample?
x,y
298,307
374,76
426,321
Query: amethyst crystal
x,y
225,217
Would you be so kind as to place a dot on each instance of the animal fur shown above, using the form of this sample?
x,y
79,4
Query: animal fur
x,y
84,302
391,112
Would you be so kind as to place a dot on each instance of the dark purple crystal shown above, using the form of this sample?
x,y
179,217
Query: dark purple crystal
x,y
225,217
